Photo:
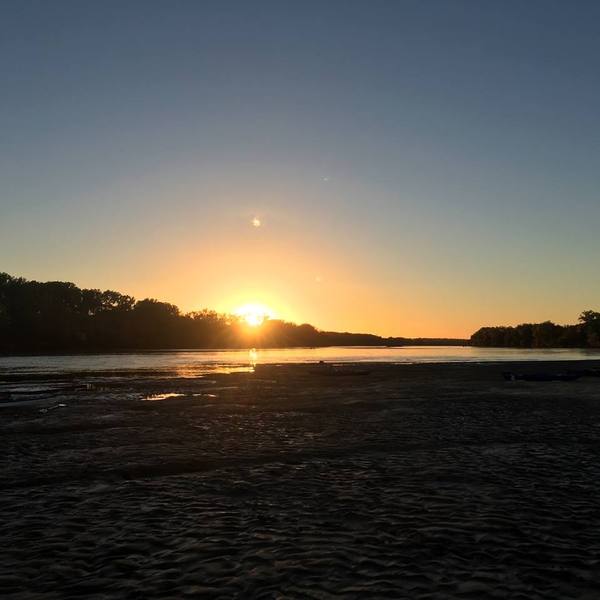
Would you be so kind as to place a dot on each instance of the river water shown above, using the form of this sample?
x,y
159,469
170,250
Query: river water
x,y
196,362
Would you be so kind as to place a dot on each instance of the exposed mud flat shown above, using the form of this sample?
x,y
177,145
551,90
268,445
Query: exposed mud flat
x,y
416,481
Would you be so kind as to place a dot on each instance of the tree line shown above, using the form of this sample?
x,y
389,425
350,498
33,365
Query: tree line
x,y
584,334
58,316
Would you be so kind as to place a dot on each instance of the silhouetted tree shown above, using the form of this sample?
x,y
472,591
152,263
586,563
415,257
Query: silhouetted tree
x,y
543,335
590,321
58,316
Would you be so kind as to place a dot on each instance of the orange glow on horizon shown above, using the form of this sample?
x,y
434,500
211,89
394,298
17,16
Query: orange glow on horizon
x,y
298,275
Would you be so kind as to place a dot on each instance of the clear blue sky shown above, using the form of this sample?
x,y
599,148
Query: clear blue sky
x,y
419,167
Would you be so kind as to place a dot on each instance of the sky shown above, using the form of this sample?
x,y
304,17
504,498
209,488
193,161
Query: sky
x,y
416,168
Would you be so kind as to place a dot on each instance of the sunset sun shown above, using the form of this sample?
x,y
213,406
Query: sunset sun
x,y
254,314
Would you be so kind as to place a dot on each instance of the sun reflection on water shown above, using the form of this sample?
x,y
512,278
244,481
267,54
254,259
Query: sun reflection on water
x,y
253,357
165,396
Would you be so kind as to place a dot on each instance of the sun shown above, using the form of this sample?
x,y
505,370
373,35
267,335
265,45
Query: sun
x,y
253,314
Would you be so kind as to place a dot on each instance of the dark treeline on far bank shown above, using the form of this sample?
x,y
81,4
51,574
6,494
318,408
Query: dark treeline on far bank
x,y
60,317
585,334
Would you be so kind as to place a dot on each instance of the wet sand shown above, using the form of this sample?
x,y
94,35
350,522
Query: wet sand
x,y
415,481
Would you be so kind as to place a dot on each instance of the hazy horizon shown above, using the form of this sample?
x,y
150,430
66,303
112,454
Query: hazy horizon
x,y
399,168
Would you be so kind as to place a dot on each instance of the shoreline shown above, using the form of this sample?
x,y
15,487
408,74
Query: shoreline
x,y
100,351
460,343
125,351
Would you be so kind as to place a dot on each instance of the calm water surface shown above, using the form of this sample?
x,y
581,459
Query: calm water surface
x,y
196,362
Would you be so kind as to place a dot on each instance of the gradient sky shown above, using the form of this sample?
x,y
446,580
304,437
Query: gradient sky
x,y
418,167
